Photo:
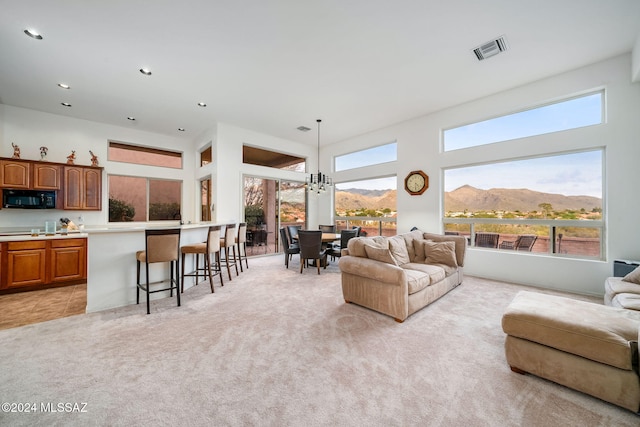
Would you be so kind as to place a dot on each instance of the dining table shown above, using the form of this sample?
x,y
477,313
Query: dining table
x,y
330,237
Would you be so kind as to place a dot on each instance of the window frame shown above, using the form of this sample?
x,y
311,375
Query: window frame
x,y
363,151
144,149
585,94
552,224
147,180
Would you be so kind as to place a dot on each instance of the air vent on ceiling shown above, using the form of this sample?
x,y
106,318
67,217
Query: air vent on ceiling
x,y
491,48
303,128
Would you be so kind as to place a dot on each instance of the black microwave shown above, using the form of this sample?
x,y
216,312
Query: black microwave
x,y
28,199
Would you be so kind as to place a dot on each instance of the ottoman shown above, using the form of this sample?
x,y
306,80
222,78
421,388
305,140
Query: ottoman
x,y
588,347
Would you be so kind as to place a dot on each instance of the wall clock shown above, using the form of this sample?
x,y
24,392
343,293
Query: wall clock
x,y
416,183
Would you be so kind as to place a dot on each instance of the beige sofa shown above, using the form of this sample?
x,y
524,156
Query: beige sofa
x,y
588,347
399,275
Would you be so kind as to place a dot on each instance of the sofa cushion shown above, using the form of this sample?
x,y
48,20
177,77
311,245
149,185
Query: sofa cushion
x,y
380,254
440,253
398,248
460,242
419,276
626,300
617,285
417,282
409,238
633,277
597,332
356,245
418,249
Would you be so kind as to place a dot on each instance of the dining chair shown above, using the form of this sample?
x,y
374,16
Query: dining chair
x,y
345,236
160,245
293,232
208,248
288,248
241,244
327,228
228,243
310,242
357,228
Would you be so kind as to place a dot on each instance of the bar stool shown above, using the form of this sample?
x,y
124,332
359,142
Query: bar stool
x,y
228,242
241,243
160,246
211,246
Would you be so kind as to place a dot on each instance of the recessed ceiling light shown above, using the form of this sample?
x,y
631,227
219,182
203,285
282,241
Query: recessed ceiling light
x,y
64,86
131,118
66,104
181,129
145,71
33,34
202,104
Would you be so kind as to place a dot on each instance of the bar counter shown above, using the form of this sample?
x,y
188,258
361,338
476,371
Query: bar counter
x,y
111,280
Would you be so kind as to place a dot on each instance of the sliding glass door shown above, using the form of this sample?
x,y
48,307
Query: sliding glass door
x,y
268,205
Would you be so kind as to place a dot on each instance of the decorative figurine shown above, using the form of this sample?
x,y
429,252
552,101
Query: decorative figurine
x,y
43,153
94,159
71,157
16,151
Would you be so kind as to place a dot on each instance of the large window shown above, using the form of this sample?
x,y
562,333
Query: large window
x,y
143,199
569,114
556,201
370,204
129,153
371,156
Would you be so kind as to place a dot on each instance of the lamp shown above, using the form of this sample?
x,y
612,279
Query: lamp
x,y
319,182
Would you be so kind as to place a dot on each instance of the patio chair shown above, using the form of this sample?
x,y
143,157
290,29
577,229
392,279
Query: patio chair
x,y
487,240
523,242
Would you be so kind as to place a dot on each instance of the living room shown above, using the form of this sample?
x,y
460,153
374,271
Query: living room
x,y
419,148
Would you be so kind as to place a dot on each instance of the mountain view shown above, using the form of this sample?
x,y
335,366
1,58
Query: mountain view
x,y
471,199
502,199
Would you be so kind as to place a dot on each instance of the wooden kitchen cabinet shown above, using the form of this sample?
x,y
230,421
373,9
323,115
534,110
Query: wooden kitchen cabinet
x,y
26,264
68,260
46,176
37,264
82,189
15,174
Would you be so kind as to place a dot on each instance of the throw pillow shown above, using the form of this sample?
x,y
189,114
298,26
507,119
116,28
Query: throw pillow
x,y
633,277
398,249
379,254
418,248
440,253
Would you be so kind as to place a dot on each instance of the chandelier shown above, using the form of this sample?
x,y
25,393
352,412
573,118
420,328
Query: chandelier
x,y
318,183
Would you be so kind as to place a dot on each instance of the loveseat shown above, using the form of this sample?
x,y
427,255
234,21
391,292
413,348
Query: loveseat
x,y
399,275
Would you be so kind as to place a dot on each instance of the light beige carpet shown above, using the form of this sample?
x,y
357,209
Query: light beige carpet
x,y
277,348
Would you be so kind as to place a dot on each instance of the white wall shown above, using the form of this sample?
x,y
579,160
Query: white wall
x,y
32,129
419,148
228,189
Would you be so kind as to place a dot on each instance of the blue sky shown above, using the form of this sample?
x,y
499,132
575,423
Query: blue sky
x,y
574,174
569,174
571,114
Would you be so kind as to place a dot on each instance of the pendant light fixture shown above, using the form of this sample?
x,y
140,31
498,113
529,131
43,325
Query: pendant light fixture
x,y
318,183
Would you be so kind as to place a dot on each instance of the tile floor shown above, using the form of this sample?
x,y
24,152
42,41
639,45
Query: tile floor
x,y
24,308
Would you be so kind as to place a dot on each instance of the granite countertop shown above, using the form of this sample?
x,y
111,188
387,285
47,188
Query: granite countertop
x,y
41,236
24,233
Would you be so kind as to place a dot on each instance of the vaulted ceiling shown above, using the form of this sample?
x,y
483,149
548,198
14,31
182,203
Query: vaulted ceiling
x,y
273,65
